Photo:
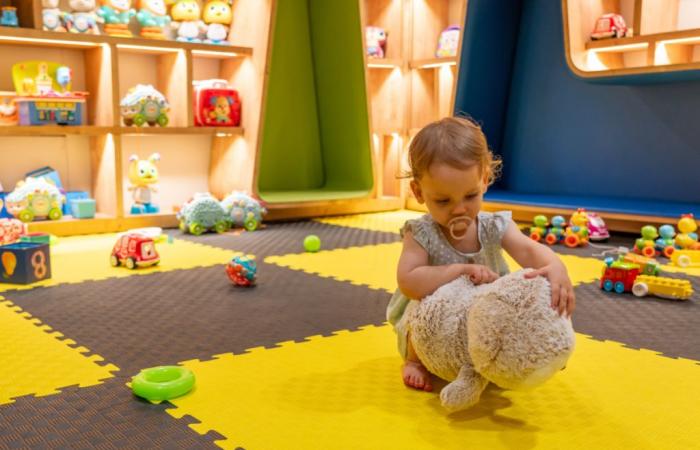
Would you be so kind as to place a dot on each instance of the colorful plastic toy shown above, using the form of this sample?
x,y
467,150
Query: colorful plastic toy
x,y
646,245
577,232
539,228
203,213
143,174
241,270
448,43
665,244
35,198
24,263
216,104
82,18
648,266
36,238
217,16
375,40
9,113
610,26
620,276
243,210
597,230
312,243
157,384
687,237
51,16
144,104
116,15
551,235
153,18
11,230
186,19
134,250
8,16
686,258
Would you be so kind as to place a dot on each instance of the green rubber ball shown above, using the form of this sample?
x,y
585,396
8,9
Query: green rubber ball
x,y
312,243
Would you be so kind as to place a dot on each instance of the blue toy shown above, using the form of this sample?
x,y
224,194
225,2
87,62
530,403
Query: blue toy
x,y
665,243
203,212
241,270
8,18
244,210
24,263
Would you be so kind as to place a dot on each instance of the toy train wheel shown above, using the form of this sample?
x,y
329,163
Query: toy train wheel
x,y
114,261
55,214
571,241
608,285
221,226
668,251
535,236
139,120
684,261
250,224
551,239
619,287
130,263
163,120
640,289
196,228
649,251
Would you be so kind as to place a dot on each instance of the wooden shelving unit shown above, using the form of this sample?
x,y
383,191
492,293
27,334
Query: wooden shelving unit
x,y
94,157
666,39
415,87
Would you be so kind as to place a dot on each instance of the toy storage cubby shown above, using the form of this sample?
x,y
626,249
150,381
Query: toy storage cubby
x,y
665,45
94,157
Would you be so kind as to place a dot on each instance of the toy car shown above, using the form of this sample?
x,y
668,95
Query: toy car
x,y
686,258
597,230
621,276
243,210
610,26
134,250
144,104
202,213
35,198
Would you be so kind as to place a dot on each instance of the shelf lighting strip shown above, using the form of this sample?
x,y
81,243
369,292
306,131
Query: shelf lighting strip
x,y
688,40
214,53
439,64
49,41
381,65
621,48
147,48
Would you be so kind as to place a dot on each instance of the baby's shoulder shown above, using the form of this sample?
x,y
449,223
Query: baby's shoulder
x,y
493,225
422,230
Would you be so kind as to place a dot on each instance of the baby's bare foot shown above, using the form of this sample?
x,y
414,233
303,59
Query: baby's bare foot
x,y
416,376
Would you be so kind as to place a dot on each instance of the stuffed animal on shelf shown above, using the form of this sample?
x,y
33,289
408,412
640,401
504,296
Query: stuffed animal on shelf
x,y
116,15
35,198
187,20
51,16
153,18
503,332
448,42
143,174
217,16
82,18
375,40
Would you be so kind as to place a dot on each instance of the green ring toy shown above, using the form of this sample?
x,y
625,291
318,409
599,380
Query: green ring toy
x,y
162,383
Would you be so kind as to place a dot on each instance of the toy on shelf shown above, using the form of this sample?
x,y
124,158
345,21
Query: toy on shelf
x,y
187,20
217,16
83,208
610,26
157,384
82,17
241,270
375,40
153,18
8,16
144,104
134,250
687,237
44,96
143,173
25,263
9,113
11,230
216,104
203,213
116,15
51,16
597,230
243,210
621,276
448,43
686,258
35,198
577,232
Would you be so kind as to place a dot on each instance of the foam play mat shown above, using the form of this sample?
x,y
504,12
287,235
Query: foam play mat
x,y
305,359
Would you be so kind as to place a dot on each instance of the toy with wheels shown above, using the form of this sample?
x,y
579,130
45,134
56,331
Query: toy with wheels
x,y
144,104
597,230
646,245
577,232
35,198
243,210
665,243
539,228
134,250
241,270
621,276
555,233
687,237
157,384
203,213
686,258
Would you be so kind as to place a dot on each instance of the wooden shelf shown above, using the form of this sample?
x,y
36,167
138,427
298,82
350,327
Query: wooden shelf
x,y
55,130
378,63
432,63
101,223
208,131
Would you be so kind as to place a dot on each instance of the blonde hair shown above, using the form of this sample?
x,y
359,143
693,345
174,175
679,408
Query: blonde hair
x,y
455,141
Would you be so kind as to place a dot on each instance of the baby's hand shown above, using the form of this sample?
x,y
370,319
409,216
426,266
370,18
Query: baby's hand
x,y
479,274
563,297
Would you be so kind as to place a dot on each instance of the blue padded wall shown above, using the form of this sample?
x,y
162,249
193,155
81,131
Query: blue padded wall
x,y
563,135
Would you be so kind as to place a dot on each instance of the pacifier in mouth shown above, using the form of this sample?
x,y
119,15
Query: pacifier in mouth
x,y
458,227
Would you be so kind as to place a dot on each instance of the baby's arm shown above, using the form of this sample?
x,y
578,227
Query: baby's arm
x,y
529,253
417,279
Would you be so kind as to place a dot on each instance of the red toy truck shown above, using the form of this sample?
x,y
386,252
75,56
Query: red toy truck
x,y
134,250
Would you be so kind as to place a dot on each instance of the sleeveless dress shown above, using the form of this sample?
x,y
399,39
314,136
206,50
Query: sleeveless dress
x,y
427,233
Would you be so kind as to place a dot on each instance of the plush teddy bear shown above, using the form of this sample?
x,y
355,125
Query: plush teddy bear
x,y
504,332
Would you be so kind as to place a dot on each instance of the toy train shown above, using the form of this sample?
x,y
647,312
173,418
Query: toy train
x,y
624,276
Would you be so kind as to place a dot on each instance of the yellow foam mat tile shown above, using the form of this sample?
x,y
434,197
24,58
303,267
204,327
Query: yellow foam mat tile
x,y
375,265
391,221
33,361
345,392
80,258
